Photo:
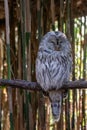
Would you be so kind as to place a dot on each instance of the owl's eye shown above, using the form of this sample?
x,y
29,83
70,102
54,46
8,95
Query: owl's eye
x,y
53,42
60,41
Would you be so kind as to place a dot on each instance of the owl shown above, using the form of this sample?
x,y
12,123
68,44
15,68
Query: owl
x,y
53,67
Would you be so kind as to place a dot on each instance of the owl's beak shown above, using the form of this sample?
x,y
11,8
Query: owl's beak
x,y
57,48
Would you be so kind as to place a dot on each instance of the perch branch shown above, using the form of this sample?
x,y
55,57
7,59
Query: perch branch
x,y
34,86
22,84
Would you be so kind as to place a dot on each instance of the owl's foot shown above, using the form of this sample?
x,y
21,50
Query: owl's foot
x,y
65,94
45,94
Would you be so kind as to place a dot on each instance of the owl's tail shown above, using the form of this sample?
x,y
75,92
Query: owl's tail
x,y
56,100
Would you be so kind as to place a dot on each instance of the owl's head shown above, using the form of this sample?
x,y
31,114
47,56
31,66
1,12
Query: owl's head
x,y
55,41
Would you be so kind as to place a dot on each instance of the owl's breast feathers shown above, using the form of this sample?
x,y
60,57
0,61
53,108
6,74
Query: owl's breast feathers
x,y
53,68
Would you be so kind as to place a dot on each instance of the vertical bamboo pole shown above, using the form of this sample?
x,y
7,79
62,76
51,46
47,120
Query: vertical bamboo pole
x,y
68,32
81,49
61,14
39,19
0,109
28,34
73,70
73,41
85,50
28,45
42,3
84,73
68,27
22,3
21,124
76,92
1,75
39,38
41,104
53,14
24,95
8,62
73,56
61,22
20,94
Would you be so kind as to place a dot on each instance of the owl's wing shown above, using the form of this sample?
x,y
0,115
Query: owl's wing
x,y
43,74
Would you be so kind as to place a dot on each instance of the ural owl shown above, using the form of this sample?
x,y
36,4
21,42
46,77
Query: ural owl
x,y
53,67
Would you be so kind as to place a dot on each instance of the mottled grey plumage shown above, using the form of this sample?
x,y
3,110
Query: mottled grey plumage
x,y
53,67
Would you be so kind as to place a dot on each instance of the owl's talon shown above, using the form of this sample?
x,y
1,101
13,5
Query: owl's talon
x,y
45,94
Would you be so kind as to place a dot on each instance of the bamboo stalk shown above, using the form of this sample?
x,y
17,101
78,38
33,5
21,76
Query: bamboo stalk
x,y
41,103
61,23
22,3
8,62
73,71
84,75
25,102
0,109
61,14
81,49
68,8
20,101
28,45
39,19
1,75
28,35
53,14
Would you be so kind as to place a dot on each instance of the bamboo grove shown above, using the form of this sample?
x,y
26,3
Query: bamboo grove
x,y
23,25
